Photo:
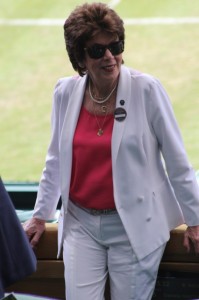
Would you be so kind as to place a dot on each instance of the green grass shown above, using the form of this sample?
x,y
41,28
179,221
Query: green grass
x,y
33,58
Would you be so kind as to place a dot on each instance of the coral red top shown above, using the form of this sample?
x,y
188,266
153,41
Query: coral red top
x,y
91,180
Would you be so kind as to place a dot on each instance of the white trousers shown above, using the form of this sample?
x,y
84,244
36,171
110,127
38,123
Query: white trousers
x,y
95,246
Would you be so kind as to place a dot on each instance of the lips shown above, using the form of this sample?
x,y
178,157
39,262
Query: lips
x,y
109,68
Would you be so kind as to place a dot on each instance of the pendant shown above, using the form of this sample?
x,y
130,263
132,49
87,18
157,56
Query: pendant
x,y
104,108
100,132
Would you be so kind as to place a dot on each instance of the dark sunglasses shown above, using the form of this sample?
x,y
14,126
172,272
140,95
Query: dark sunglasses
x,y
97,51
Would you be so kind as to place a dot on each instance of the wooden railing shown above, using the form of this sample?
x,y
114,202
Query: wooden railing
x,y
176,263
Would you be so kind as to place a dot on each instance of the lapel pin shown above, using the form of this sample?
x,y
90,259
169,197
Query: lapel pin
x,y
120,114
122,102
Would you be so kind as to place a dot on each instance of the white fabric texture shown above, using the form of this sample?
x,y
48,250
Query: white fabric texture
x,y
97,245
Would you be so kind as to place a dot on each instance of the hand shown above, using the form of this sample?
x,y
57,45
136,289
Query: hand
x,y
192,235
34,229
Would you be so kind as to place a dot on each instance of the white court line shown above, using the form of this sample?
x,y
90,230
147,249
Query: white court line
x,y
32,22
161,21
133,21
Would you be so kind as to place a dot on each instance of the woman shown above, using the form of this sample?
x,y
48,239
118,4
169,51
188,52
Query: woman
x,y
110,126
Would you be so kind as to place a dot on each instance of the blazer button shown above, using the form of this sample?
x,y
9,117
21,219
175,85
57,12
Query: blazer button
x,y
140,199
148,219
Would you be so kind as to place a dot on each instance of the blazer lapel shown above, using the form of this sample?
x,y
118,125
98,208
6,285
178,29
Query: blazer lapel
x,y
123,93
66,140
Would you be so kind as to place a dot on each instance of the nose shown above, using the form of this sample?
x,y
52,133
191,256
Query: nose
x,y
108,53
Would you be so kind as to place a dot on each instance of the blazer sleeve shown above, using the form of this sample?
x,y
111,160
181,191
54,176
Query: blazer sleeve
x,y
49,189
180,172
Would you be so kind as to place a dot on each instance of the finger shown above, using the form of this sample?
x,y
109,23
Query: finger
x,y
30,233
186,242
34,241
196,246
35,238
27,225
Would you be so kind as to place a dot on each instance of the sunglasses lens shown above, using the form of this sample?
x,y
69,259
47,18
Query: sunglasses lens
x,y
116,48
98,51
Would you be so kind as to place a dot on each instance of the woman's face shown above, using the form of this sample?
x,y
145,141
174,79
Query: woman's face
x,y
107,68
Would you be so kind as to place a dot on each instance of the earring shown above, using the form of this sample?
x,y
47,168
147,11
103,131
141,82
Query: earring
x,y
81,65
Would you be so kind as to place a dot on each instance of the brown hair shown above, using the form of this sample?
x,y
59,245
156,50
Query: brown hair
x,y
83,23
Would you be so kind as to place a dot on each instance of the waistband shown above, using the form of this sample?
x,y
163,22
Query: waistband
x,y
96,212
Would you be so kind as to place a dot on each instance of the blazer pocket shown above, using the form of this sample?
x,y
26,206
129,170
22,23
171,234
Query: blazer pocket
x,y
165,205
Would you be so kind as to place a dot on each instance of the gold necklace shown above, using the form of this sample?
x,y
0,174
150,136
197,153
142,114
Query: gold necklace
x,y
100,100
104,108
100,127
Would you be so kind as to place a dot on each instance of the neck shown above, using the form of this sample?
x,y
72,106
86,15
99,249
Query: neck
x,y
98,97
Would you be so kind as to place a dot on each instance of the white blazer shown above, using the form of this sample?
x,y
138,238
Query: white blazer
x,y
149,200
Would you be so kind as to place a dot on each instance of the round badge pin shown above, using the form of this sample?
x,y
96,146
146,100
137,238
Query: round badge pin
x,y
120,114
122,102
